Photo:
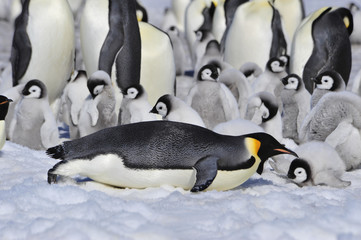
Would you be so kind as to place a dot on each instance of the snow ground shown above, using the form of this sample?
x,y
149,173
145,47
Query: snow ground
x,y
265,207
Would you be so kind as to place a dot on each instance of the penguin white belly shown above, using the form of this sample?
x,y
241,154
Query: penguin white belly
x,y
2,134
219,22
109,169
52,58
157,74
302,45
94,28
249,38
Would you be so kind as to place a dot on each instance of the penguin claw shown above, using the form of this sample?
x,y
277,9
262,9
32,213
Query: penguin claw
x,y
198,188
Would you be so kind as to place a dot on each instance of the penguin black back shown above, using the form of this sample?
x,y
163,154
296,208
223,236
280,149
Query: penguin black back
x,y
4,106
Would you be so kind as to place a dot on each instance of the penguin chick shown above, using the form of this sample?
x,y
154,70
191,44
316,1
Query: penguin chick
x,y
269,80
34,124
336,120
318,164
251,70
98,110
296,105
262,109
327,81
212,100
4,107
137,104
174,109
72,99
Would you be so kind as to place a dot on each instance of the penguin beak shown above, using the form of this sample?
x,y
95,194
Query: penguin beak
x,y
154,110
315,80
284,151
284,81
6,101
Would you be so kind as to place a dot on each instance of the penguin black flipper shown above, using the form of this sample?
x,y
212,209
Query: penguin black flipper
x,y
206,172
279,44
21,45
114,39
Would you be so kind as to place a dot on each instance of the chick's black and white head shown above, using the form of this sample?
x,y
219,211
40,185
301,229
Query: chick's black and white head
x,y
275,65
209,72
292,82
4,106
329,80
299,171
97,81
163,106
133,92
34,89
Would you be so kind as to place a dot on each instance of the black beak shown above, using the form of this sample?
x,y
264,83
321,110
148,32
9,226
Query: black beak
x,y
284,81
154,110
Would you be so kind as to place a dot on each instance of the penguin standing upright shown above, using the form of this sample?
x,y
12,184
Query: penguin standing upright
x,y
4,107
43,45
264,38
150,154
322,43
34,123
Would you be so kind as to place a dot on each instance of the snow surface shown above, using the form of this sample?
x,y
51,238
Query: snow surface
x,y
264,207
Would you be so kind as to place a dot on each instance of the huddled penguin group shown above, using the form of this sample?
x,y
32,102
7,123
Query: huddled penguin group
x,y
192,102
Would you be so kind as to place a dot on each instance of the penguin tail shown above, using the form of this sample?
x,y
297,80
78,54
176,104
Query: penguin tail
x,y
56,152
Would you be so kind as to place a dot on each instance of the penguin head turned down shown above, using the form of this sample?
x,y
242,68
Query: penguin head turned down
x,y
209,72
329,80
97,81
275,65
163,106
268,147
299,171
34,89
4,106
292,82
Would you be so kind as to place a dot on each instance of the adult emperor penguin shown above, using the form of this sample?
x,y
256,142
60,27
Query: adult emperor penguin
x,y
99,108
336,120
72,100
356,14
318,164
150,154
34,123
43,45
296,105
328,81
322,43
4,107
266,40
136,103
212,100
172,108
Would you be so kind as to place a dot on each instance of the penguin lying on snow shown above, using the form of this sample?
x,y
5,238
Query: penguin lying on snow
x,y
149,154
318,164
4,107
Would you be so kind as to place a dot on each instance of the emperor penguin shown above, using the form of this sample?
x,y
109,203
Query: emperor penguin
x,y
321,43
251,70
355,37
262,109
172,108
266,40
327,81
317,164
43,45
99,108
336,120
151,154
4,107
296,105
219,20
136,103
212,100
72,100
34,124
179,8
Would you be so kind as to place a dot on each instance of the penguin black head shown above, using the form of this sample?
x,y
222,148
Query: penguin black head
x,y
329,80
270,102
213,46
133,92
275,65
299,171
269,147
4,106
285,59
209,72
141,12
96,83
292,82
34,89
347,18
163,106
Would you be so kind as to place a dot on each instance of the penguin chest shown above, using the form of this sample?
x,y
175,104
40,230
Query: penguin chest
x,y
2,133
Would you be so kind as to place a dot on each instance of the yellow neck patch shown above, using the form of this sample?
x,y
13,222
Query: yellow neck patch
x,y
253,146
346,21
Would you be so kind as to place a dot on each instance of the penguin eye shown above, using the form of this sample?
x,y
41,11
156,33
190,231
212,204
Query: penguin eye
x,y
299,172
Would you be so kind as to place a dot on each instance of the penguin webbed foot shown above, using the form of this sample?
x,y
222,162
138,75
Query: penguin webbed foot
x,y
206,171
52,177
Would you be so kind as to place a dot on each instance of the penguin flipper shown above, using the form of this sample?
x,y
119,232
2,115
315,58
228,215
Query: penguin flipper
x,y
206,169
